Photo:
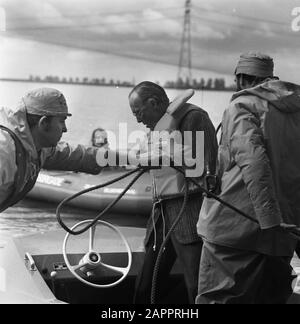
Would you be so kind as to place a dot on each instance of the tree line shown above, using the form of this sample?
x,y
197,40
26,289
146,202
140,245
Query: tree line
x,y
202,84
82,81
209,84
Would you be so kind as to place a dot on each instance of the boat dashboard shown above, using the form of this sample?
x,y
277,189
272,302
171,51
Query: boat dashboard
x,y
33,269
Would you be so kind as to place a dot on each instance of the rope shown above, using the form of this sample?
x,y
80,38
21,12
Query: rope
x,y
161,250
217,198
293,232
141,171
113,203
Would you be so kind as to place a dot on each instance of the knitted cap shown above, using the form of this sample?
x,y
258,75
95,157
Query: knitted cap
x,y
46,102
256,64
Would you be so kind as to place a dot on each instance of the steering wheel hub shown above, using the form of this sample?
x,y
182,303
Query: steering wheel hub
x,y
94,257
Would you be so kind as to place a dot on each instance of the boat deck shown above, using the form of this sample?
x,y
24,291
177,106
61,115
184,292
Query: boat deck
x,y
51,242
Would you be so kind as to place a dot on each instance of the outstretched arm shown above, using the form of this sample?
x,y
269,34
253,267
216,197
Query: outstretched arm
x,y
71,158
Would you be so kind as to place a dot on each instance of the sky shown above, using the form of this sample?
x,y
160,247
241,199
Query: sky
x,y
139,40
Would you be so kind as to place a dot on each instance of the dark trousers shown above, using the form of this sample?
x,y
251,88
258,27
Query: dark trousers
x,y
189,258
231,276
298,249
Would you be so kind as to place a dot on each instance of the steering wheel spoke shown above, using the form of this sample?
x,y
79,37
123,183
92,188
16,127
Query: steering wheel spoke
x,y
79,267
118,270
92,237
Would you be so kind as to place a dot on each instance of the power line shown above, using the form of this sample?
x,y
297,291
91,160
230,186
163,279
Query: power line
x,y
248,28
143,21
135,56
132,56
98,24
226,23
99,14
240,16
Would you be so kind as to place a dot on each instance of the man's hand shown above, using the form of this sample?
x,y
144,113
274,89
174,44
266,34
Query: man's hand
x,y
288,227
292,229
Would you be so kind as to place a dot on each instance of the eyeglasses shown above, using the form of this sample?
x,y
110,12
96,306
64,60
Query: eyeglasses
x,y
140,110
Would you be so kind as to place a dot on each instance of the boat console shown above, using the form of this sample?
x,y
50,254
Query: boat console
x,y
33,270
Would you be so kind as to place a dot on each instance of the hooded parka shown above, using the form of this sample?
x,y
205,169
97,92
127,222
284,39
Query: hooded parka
x,y
259,168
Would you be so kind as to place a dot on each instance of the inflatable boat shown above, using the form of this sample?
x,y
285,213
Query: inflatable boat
x,y
55,186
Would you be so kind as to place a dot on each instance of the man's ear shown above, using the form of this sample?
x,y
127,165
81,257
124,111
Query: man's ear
x,y
44,124
153,102
241,81
253,83
244,84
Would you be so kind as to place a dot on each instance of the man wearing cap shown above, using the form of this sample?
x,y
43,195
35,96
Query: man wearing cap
x,y
29,137
244,261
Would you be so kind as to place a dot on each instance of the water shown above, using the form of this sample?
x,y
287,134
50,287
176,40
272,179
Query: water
x,y
91,107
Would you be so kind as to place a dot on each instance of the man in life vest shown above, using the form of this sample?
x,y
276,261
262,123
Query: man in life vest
x,y
259,166
29,137
149,103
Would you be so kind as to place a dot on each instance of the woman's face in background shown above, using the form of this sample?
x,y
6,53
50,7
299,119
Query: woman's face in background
x,y
100,138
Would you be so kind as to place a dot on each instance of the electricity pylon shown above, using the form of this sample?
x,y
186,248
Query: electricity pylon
x,y
185,61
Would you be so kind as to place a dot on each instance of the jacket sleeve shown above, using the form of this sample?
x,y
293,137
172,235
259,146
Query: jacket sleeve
x,y
8,167
249,152
198,121
68,158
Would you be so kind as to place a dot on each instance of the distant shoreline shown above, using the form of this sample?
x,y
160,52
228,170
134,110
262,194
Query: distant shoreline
x,y
71,83
101,84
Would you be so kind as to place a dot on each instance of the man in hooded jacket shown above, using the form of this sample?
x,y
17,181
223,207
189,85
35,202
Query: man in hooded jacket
x,y
244,261
29,137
